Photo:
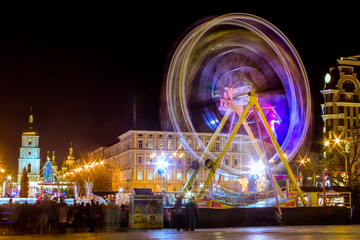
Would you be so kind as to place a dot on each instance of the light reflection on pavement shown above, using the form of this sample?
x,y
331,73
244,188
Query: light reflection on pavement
x,y
253,233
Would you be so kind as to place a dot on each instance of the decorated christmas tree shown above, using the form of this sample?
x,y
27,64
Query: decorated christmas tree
x,y
48,172
24,191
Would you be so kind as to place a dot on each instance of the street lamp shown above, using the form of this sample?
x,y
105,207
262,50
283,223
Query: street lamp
x,y
327,78
162,167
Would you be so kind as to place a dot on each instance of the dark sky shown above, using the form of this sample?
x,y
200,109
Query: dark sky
x,y
81,66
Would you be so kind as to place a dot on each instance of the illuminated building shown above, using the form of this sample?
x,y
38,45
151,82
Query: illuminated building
x,y
30,153
341,107
133,162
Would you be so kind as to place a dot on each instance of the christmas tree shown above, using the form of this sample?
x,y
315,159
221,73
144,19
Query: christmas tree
x,y
24,191
48,172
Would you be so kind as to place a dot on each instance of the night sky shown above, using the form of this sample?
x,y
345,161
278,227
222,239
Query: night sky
x,y
81,67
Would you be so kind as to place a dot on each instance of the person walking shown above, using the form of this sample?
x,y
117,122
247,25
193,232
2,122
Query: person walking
x,y
192,213
177,213
63,216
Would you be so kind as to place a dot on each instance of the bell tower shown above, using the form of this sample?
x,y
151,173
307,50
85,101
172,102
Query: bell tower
x,y
30,152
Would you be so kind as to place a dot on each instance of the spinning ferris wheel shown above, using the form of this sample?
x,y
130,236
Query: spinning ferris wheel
x,y
238,74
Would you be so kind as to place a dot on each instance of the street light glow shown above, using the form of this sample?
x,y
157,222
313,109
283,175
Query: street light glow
x,y
257,168
327,78
162,164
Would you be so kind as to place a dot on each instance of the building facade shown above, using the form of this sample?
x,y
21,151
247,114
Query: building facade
x,y
341,92
133,159
30,153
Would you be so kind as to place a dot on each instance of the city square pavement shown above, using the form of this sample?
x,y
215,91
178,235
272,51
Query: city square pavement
x,y
254,233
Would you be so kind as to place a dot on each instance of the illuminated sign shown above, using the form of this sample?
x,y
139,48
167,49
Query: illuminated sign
x,y
228,96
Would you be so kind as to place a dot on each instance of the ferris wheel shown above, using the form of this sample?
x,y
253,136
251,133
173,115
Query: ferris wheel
x,y
239,74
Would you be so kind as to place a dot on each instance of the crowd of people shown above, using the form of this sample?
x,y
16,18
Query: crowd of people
x,y
51,217
48,216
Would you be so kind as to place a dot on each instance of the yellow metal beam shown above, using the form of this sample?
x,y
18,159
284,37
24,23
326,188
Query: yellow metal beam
x,y
187,186
261,155
226,147
280,152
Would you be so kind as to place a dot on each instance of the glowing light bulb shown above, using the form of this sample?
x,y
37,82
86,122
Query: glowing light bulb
x,y
327,78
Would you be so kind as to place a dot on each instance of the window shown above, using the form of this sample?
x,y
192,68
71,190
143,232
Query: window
x,y
217,146
329,122
341,109
150,176
139,176
329,97
226,179
140,161
169,144
188,175
140,144
329,110
226,161
348,85
342,97
179,162
160,144
178,176
356,98
169,176
29,142
29,168
235,147
341,122
29,153
150,144
198,177
236,162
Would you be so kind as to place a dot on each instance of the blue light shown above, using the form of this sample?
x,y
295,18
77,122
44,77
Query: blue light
x,y
162,164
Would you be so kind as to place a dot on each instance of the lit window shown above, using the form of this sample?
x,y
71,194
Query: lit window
x,y
150,144
188,175
178,176
198,177
169,176
139,175
169,144
160,144
150,176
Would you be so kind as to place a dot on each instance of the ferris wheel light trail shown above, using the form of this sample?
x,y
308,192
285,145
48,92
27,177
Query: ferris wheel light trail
x,y
215,68
247,54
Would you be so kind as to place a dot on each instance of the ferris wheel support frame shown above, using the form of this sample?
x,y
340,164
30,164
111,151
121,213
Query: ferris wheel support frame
x,y
187,186
252,102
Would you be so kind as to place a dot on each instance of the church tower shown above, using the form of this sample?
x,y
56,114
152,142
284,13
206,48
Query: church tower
x,y
30,152
70,161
